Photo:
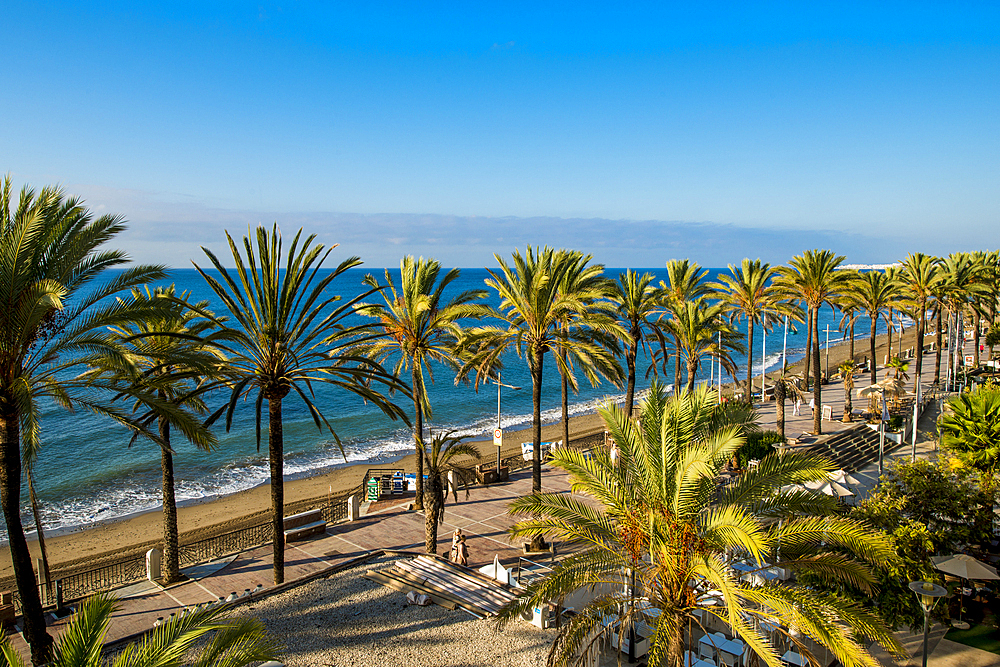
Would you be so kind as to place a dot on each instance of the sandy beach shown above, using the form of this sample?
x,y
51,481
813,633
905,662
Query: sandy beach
x,y
198,521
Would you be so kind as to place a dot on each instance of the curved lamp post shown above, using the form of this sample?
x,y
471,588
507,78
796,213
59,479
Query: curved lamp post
x,y
927,595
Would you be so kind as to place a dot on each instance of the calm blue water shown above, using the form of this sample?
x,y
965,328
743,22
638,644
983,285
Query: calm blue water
x,y
86,471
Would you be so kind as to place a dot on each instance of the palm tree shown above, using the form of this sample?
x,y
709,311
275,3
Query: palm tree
x,y
784,388
440,453
54,320
419,327
846,371
962,280
287,335
161,364
983,302
813,278
695,327
898,367
583,278
532,308
204,637
664,528
970,429
636,299
850,312
685,282
874,292
748,294
919,273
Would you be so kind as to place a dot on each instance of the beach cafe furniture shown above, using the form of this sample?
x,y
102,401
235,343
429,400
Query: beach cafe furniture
x,y
794,658
966,567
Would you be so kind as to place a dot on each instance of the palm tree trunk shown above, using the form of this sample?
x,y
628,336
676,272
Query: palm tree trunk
x,y
432,511
809,338
630,356
888,330
24,576
37,514
276,456
937,347
537,542
852,339
171,550
418,437
871,349
565,406
779,403
749,394
848,405
919,346
692,372
817,385
677,366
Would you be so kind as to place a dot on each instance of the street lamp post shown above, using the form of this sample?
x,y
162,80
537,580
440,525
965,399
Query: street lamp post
x,y
927,595
499,383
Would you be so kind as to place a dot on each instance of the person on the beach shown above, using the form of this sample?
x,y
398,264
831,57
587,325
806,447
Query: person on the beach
x,y
461,552
796,406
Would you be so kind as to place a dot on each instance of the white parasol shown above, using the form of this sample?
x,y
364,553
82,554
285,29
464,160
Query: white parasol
x,y
964,566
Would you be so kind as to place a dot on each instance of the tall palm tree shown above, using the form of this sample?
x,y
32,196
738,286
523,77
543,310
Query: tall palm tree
x,y
695,327
664,528
874,292
749,295
419,327
57,306
919,273
963,279
635,297
287,333
584,278
532,308
685,282
846,371
813,278
850,312
205,637
983,302
161,364
440,452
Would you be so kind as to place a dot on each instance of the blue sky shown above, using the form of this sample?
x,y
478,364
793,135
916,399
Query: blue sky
x,y
638,133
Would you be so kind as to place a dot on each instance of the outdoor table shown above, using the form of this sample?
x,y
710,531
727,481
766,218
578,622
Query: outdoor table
x,y
703,663
794,658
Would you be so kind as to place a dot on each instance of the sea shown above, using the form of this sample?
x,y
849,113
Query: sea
x,y
88,472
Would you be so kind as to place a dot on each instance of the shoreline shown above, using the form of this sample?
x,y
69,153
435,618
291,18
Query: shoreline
x,y
203,517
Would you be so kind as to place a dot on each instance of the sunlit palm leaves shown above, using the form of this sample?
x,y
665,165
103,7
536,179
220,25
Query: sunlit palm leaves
x,y
636,299
417,327
286,333
201,638
660,514
532,310
55,311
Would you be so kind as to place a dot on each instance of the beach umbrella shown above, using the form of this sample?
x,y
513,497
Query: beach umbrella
x,y
870,391
964,566
829,488
842,477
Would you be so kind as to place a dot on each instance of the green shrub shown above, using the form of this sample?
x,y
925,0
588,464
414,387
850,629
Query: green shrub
x,y
895,423
757,446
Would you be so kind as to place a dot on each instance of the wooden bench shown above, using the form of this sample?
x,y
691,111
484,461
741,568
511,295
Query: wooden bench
x,y
304,524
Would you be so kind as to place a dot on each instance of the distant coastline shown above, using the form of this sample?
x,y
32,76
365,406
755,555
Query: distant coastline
x,y
869,267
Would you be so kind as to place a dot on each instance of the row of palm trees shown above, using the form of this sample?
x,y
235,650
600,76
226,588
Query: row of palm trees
x,y
154,362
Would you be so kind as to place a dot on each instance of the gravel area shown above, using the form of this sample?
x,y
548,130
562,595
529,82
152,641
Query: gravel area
x,y
346,620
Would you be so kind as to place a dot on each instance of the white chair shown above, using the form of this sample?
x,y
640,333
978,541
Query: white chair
x,y
706,652
689,659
